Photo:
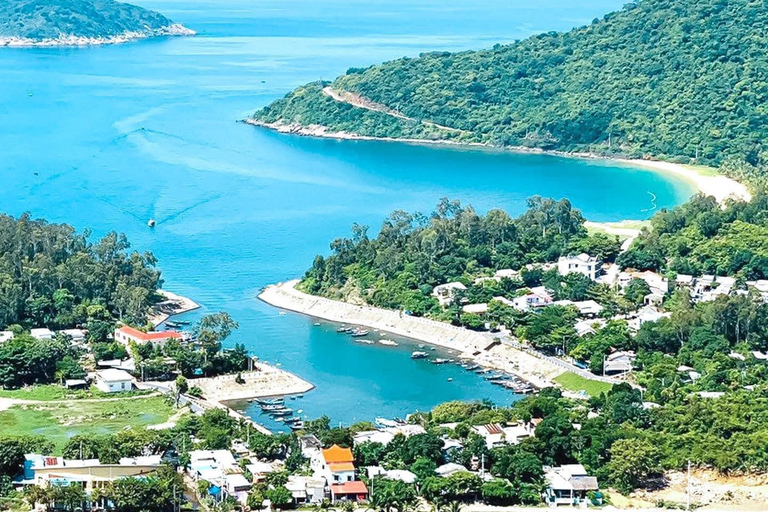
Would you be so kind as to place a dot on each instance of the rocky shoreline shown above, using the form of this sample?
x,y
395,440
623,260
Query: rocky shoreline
x,y
173,30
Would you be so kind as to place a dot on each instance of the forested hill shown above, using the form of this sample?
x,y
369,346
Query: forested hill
x,y
43,20
672,79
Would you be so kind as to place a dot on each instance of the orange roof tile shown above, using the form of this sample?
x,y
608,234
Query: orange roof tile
x,y
341,466
355,487
336,454
150,336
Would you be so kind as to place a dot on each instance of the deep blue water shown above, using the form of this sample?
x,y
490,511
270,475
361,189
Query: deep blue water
x,y
121,134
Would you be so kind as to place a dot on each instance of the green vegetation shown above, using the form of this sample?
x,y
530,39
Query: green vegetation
x,y
574,382
51,276
50,392
678,80
414,253
699,237
59,421
50,19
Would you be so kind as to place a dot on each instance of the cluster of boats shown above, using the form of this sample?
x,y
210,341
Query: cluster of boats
x,y
355,332
176,324
277,410
508,381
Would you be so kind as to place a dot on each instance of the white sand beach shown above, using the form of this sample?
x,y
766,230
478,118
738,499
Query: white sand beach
x,y
470,345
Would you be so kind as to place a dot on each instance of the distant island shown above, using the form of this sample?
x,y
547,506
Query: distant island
x,y
673,80
80,22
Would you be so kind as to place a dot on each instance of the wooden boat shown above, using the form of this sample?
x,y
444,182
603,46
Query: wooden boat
x,y
356,333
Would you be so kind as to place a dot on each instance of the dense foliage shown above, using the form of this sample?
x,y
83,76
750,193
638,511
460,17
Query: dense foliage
x,y
51,276
674,79
699,237
413,253
51,19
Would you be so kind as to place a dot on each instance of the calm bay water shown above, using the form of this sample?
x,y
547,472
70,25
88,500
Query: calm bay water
x,y
106,138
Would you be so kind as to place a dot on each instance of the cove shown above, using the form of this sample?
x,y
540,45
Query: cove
x,y
106,138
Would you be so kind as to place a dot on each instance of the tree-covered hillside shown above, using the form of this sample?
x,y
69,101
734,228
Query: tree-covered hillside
x,y
51,276
672,79
51,19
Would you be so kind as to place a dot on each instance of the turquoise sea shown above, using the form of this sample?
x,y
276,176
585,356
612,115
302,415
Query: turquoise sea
x,y
106,138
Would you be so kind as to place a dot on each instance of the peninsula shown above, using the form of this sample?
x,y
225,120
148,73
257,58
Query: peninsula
x,y
619,87
80,22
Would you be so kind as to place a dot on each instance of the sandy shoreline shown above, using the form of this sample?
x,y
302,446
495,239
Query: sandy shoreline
x,y
470,345
172,305
718,185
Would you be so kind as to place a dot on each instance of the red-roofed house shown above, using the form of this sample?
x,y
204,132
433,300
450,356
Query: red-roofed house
x,y
126,334
349,491
337,466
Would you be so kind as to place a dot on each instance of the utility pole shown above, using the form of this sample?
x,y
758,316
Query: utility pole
x,y
482,465
688,490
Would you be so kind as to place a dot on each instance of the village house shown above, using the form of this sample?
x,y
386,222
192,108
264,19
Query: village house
x,y
42,333
126,335
45,471
621,361
656,282
76,336
446,292
586,308
337,466
306,489
449,469
219,468
583,264
393,474
568,485
538,297
497,435
113,380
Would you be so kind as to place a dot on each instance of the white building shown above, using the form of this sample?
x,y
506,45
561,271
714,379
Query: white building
x,y
306,489
5,336
587,308
580,264
393,474
76,335
112,380
126,335
498,435
450,469
42,333
373,436
538,297
446,292
568,485
620,361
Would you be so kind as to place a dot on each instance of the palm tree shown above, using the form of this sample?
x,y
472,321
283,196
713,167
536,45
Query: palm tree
x,y
454,506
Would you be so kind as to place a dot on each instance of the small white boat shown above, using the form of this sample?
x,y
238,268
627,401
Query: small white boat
x,y
388,343
151,223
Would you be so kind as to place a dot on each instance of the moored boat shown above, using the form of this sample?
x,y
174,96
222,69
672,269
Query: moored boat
x,y
419,355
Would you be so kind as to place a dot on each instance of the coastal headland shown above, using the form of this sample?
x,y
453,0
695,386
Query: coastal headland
x,y
172,305
471,345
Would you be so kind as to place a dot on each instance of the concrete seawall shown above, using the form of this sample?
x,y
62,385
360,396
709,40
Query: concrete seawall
x,y
470,344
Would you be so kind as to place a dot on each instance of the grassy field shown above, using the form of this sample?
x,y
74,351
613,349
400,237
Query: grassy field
x,y
53,392
58,421
577,383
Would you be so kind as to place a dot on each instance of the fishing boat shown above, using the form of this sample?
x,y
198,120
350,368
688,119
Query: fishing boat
x,y
151,223
278,414
297,425
172,325
344,329
272,407
367,342
440,361
419,355
271,401
183,322
358,332
388,343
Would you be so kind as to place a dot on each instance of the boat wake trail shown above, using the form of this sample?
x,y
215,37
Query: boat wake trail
x,y
653,202
181,212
